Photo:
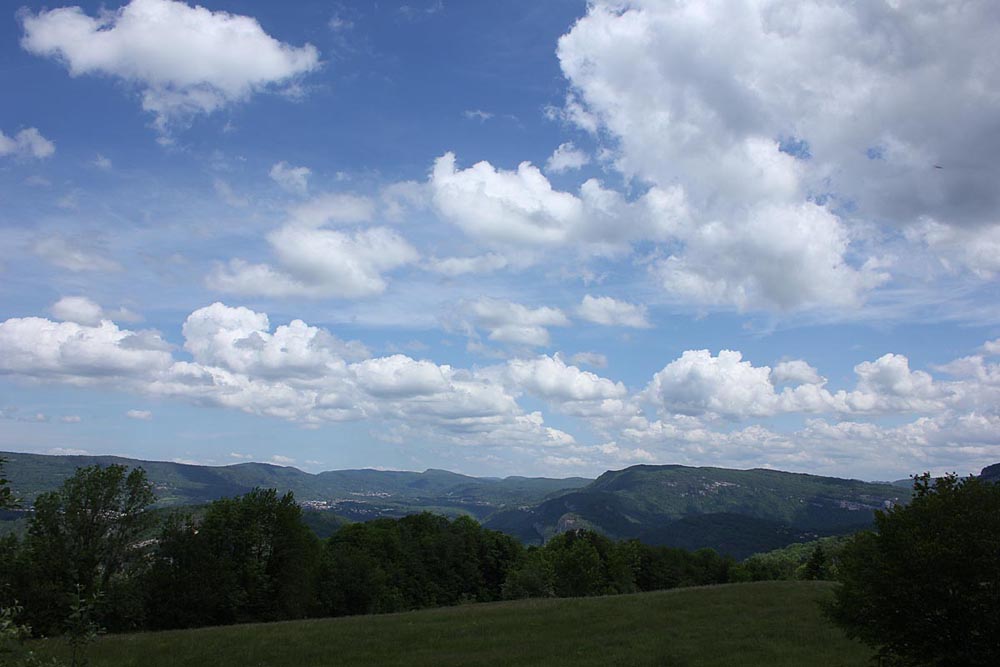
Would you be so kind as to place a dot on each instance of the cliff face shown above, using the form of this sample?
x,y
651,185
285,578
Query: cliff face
x,y
991,473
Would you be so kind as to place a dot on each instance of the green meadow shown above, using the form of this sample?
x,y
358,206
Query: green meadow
x,y
766,623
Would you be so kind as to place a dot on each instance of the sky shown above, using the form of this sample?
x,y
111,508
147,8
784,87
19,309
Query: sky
x,y
513,238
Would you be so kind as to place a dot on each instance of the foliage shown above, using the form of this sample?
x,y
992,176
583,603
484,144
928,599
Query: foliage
x,y
248,558
924,589
81,626
13,635
7,500
422,560
82,535
734,512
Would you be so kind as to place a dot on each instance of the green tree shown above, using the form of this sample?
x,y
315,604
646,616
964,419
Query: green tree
x,y
924,588
815,567
7,499
83,535
249,558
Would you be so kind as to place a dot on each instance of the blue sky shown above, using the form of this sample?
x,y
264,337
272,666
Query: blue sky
x,y
502,238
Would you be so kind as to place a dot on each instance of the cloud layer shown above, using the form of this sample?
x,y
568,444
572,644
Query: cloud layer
x,y
184,60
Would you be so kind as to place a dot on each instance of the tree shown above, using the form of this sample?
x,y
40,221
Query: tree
x,y
83,535
249,558
7,500
924,588
815,567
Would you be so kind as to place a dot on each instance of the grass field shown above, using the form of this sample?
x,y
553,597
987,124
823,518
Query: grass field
x,y
768,623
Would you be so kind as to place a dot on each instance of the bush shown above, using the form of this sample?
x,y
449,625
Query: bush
x,y
924,589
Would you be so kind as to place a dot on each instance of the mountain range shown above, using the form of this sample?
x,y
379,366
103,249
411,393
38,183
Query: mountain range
x,y
738,512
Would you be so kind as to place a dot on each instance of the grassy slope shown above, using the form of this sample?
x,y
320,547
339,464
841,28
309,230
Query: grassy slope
x,y
769,623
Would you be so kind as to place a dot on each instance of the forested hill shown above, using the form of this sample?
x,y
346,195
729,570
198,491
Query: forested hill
x,y
356,494
738,512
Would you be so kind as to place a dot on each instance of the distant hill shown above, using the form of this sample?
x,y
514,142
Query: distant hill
x,y
738,512
354,494
991,473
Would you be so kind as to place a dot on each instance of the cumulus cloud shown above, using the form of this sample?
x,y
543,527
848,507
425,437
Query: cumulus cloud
x,y
27,143
140,415
552,379
782,124
292,179
303,373
726,385
315,261
611,312
509,322
566,158
319,263
796,371
520,209
74,353
184,60
296,372
84,311
78,309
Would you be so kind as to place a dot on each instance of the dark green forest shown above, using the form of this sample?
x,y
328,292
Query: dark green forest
x,y
254,558
922,588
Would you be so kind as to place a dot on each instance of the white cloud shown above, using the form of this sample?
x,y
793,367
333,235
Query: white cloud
x,y
319,263
502,206
66,451
512,323
282,460
697,383
401,376
70,419
72,255
333,208
992,346
550,378
140,415
28,143
102,162
240,340
457,266
565,158
518,209
783,256
78,354
611,312
796,371
890,376
477,114
975,249
184,60
774,119
78,309
84,311
293,179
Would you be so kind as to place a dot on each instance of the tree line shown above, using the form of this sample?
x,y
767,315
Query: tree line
x,y
253,558
922,588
